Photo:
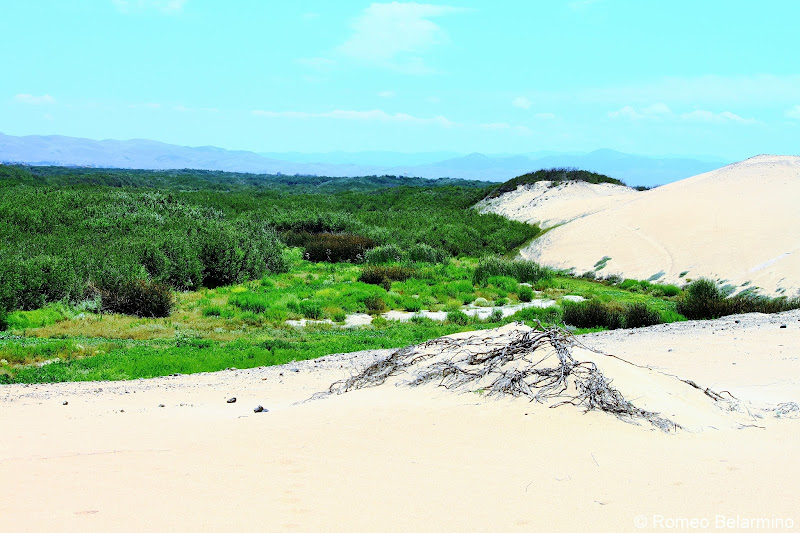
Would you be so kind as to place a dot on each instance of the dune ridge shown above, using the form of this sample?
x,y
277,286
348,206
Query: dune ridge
x,y
738,225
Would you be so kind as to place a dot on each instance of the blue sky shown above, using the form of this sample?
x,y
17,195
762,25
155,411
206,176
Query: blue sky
x,y
718,78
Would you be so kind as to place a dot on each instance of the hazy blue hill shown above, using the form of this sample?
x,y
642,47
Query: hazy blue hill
x,y
147,154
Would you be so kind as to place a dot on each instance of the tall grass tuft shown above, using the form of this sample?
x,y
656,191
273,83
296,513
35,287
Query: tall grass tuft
x,y
522,271
704,299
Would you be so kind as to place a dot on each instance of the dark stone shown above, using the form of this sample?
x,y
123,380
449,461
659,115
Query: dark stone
x,y
260,409
65,403
231,400
783,326
161,405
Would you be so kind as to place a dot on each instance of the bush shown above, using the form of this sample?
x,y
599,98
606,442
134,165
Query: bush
x,y
638,315
3,319
665,290
702,299
593,314
310,310
546,315
383,254
337,247
378,275
375,305
422,253
137,297
525,293
522,271
458,317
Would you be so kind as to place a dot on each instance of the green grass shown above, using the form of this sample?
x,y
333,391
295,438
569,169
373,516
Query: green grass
x,y
244,325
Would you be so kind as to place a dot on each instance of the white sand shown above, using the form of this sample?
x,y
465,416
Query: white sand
x,y
546,205
739,225
399,459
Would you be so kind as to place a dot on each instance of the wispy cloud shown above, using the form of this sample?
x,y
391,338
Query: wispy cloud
x,y
45,99
661,111
164,6
794,112
701,115
371,115
395,35
654,111
521,102
387,94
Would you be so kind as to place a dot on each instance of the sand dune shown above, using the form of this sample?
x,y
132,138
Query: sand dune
x,y
394,458
547,205
739,225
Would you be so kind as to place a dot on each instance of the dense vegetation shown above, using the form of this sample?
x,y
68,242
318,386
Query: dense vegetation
x,y
83,239
555,175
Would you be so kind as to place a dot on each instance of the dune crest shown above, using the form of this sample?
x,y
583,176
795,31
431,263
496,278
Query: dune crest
x,y
738,225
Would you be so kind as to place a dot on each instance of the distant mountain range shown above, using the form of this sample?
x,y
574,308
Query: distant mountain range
x,y
146,154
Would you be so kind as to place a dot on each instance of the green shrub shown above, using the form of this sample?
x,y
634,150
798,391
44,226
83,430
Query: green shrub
x,y
383,254
638,315
137,297
3,319
525,293
593,314
337,247
412,304
702,299
506,283
374,304
458,317
665,290
422,253
546,315
311,310
522,271
377,275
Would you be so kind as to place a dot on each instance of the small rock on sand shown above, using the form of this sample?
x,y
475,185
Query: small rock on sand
x,y
231,400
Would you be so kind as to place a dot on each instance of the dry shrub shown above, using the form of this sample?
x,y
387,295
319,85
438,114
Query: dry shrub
x,y
337,247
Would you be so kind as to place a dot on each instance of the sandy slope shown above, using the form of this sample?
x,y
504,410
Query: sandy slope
x,y
399,459
739,224
541,203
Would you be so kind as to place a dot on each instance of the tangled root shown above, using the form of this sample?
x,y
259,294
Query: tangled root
x,y
536,364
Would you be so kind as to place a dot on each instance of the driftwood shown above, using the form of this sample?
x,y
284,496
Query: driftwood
x,y
536,364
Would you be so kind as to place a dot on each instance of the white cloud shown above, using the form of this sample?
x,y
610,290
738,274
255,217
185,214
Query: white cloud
x,y
387,94
45,99
165,6
394,35
701,115
372,115
794,112
521,102
626,112
653,111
